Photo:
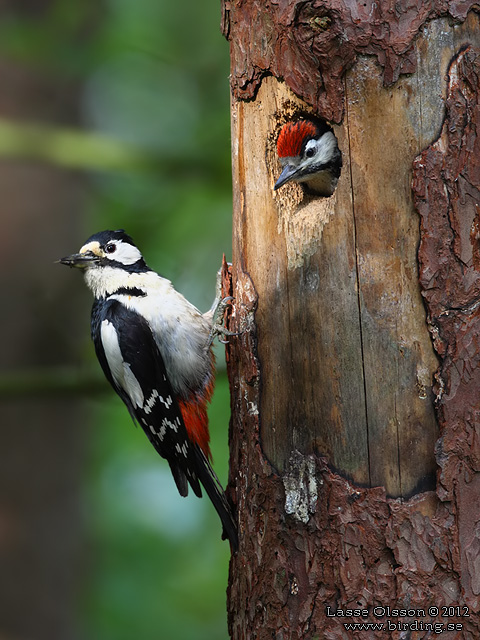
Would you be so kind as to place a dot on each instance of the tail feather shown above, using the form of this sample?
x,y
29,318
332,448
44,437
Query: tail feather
x,y
215,492
182,480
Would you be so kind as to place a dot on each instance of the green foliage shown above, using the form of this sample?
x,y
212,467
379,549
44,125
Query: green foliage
x,y
159,565
152,81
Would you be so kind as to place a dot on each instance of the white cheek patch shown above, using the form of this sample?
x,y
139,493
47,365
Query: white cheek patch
x,y
311,144
125,253
120,369
325,148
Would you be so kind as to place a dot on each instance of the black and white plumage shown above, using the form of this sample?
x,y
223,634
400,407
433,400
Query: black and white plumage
x,y
309,154
155,350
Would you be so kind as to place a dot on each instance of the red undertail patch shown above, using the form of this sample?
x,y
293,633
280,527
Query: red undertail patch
x,y
195,417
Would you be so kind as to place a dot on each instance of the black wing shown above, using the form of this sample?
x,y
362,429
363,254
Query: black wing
x,y
133,365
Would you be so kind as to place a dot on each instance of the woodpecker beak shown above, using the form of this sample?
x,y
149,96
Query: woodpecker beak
x,y
289,173
80,260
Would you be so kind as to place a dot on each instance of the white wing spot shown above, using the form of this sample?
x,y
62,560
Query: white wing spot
x,y
174,425
166,401
150,402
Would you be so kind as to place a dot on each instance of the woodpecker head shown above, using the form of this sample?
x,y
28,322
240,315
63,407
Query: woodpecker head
x,y
108,249
309,154
109,261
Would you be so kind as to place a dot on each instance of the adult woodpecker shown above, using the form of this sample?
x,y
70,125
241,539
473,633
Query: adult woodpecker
x,y
155,350
309,154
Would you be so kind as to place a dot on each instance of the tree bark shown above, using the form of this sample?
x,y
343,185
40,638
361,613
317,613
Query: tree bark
x,y
355,402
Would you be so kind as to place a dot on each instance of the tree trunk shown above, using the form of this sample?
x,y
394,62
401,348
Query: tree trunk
x,y
356,405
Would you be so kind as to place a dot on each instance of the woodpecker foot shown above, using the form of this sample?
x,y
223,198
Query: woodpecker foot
x,y
218,328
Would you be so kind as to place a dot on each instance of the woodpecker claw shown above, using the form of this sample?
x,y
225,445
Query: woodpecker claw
x,y
217,322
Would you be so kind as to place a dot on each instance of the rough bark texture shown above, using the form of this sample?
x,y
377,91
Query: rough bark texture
x,y
310,538
447,195
311,44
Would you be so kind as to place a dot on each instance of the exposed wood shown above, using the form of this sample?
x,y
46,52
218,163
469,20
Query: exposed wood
x,y
301,259
384,126
332,379
342,320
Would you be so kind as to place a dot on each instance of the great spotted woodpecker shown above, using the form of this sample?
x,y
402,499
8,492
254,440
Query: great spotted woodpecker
x,y
155,350
309,154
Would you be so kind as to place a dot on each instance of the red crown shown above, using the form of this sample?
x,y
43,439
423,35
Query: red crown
x,y
291,137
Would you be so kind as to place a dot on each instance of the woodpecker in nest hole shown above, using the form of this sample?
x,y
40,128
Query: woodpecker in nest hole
x,y
155,350
309,154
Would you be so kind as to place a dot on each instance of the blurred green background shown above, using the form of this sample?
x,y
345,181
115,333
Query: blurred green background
x,y
113,114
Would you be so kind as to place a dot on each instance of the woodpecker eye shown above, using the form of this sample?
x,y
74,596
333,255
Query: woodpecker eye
x,y
310,152
110,247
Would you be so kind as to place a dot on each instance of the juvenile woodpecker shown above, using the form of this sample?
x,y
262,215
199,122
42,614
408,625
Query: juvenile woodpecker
x,y
155,350
309,155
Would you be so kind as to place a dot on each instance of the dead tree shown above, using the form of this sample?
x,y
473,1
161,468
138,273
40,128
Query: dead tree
x,y
355,383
